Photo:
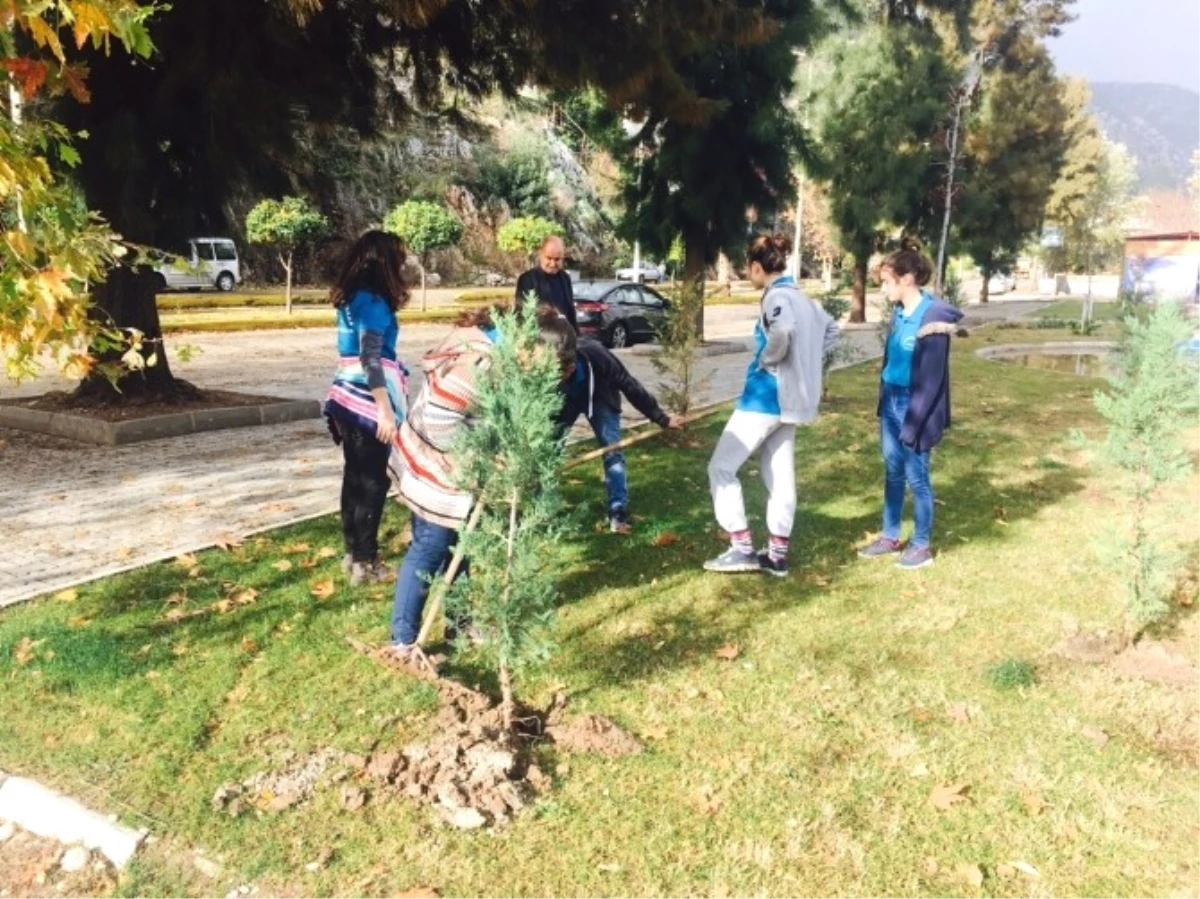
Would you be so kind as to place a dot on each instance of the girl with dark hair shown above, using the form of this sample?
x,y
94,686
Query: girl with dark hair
x,y
367,397
783,390
914,403
424,467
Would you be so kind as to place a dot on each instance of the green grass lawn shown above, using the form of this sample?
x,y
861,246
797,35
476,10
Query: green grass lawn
x,y
805,766
259,319
1071,310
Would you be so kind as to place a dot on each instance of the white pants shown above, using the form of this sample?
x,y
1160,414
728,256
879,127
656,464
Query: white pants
x,y
775,442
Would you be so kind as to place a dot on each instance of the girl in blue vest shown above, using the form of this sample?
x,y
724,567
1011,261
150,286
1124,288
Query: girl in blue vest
x,y
366,401
914,403
783,390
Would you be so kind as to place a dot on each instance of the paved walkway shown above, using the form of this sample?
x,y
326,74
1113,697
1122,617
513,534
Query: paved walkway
x,y
74,513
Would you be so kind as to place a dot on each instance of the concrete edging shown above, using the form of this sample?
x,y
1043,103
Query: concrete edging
x,y
42,811
118,433
1056,346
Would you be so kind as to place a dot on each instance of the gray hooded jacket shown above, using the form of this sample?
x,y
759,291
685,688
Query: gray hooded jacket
x,y
799,333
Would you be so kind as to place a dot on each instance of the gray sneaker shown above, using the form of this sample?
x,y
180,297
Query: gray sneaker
x,y
882,546
347,562
915,557
732,561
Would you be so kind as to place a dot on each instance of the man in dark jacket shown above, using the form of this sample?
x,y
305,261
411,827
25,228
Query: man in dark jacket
x,y
593,389
551,284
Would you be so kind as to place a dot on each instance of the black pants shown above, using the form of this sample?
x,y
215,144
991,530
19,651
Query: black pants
x,y
364,491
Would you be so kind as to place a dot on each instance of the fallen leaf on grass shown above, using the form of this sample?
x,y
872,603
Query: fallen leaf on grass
x,y
24,651
920,769
224,606
655,733
1034,801
931,866
959,713
322,590
152,675
945,796
249,646
420,893
282,565
1027,869
245,597
187,560
1096,734
708,800
293,549
67,595
174,615
228,541
79,621
972,874
353,798
609,868
1006,871
326,552
306,564
180,649
176,599
728,652
666,538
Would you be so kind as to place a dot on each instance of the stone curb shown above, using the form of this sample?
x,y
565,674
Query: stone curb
x,y
43,812
712,348
117,433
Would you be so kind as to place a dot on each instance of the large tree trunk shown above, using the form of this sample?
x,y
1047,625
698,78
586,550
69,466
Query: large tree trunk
x,y
127,299
858,295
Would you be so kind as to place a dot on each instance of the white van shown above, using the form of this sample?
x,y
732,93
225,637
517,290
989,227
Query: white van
x,y
204,262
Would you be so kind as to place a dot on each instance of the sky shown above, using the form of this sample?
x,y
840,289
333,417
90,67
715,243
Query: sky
x,y
1155,41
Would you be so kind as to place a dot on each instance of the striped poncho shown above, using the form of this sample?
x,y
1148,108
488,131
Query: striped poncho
x,y
349,401
420,462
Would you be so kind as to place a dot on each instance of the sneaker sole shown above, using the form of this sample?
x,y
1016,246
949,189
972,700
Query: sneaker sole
x,y
774,573
923,564
866,555
726,569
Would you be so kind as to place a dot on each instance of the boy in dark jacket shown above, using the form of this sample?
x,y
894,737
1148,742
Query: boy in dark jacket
x,y
593,388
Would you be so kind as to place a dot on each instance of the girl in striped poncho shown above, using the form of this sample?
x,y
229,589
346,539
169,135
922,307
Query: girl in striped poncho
x,y
367,399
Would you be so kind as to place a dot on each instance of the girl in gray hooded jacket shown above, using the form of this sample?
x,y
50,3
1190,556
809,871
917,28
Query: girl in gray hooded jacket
x,y
783,390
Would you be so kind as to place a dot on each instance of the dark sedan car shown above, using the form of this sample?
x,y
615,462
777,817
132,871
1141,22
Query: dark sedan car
x,y
618,313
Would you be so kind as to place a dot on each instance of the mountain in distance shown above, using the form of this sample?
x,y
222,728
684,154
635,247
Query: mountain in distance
x,y
1158,123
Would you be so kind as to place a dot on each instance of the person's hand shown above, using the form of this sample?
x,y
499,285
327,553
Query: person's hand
x,y
675,421
385,430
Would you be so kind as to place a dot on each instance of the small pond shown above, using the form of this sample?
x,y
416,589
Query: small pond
x,y
1089,360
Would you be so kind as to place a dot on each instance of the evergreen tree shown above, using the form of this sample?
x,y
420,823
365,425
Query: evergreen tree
x,y
701,173
1014,148
1151,403
676,357
876,111
510,459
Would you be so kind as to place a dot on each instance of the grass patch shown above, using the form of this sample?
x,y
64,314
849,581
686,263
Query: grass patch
x,y
1012,674
805,766
1071,310
244,319
182,302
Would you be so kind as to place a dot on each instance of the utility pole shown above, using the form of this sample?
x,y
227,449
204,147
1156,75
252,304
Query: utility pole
x,y
798,239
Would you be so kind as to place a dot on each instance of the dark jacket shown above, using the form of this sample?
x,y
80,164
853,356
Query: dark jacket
x,y
929,398
562,298
606,380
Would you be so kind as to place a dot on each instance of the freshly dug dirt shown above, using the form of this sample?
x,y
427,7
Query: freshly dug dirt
x,y
33,866
1089,648
1158,662
134,409
275,791
593,733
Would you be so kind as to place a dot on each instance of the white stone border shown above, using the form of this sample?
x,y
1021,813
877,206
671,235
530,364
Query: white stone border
x,y
46,813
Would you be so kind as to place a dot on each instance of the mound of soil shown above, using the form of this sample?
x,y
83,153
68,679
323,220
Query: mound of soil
x,y
39,866
1158,662
275,791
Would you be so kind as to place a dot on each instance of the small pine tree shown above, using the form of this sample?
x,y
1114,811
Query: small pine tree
x,y
1151,399
678,354
510,458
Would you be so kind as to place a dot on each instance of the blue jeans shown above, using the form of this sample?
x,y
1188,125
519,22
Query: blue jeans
x,y
904,467
428,555
606,425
